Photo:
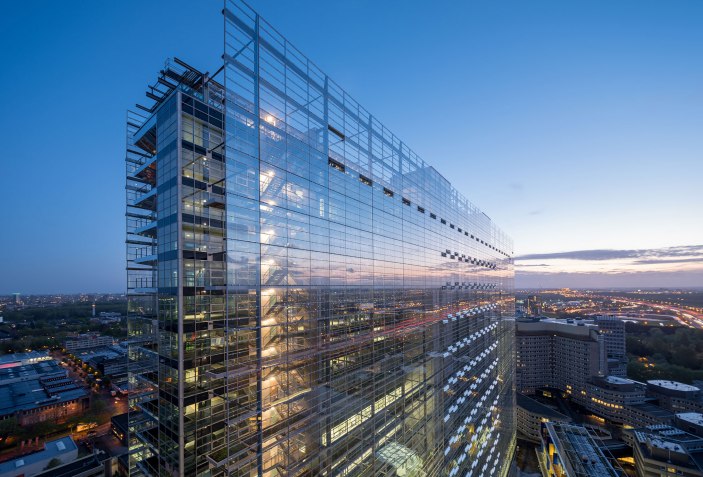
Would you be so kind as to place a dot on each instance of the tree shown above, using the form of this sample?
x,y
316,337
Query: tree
x,y
55,462
9,426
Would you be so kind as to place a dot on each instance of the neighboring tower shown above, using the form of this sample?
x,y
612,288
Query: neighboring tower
x,y
93,309
18,300
534,305
612,329
558,354
306,295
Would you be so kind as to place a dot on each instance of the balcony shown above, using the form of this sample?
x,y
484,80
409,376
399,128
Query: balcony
x,y
146,200
215,202
147,259
239,371
146,173
148,230
145,137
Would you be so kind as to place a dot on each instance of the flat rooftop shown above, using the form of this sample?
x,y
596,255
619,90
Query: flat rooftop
x,y
691,417
673,385
33,393
537,407
111,352
618,380
15,359
652,410
29,371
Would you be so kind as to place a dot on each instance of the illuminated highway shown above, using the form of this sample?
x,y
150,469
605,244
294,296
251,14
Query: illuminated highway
x,y
685,317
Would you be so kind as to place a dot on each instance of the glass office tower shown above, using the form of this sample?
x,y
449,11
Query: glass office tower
x,y
306,295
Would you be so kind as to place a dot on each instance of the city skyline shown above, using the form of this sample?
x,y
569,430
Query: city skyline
x,y
594,135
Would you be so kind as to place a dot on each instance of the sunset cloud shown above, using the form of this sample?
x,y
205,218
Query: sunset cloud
x,y
612,267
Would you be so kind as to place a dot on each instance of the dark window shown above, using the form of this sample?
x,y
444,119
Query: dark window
x,y
337,165
388,192
365,180
336,131
420,209
406,201
433,216
443,221
451,225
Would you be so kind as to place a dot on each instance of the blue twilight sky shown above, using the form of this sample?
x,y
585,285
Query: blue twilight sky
x,y
577,126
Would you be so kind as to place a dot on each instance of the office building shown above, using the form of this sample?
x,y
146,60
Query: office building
x,y
306,295
558,354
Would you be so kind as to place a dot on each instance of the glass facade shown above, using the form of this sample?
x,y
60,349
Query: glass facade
x,y
307,296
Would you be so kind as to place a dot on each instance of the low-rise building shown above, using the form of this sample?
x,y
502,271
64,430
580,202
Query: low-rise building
x,y
530,416
23,359
609,397
63,450
109,361
50,397
88,466
87,341
25,372
569,450
119,427
646,414
676,396
691,422
662,450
